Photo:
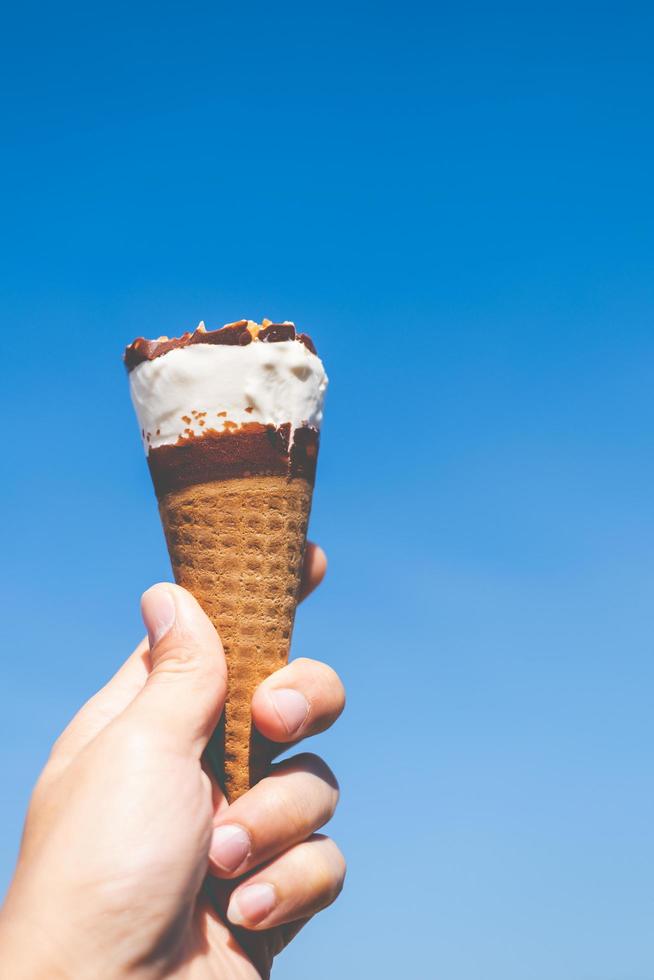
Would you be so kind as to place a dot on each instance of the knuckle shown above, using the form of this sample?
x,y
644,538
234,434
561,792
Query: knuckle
x,y
331,680
325,675
341,866
312,764
135,742
307,762
178,657
337,889
42,788
337,869
327,693
58,750
198,666
314,796
292,807
328,869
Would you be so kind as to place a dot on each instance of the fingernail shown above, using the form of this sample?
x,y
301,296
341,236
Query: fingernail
x,y
291,707
158,611
251,904
230,845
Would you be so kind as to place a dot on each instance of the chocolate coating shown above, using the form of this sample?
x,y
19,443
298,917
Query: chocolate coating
x,y
305,339
252,449
234,334
230,336
275,332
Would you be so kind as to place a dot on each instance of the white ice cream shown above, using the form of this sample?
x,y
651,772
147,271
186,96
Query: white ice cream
x,y
191,390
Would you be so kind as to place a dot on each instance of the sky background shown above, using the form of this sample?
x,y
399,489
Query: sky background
x,y
456,201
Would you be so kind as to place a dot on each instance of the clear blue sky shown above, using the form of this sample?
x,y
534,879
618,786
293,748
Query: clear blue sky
x,y
457,202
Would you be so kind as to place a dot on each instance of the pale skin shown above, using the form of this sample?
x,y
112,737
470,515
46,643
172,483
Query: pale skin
x,y
132,863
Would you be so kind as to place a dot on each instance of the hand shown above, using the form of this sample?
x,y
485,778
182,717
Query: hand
x,y
132,863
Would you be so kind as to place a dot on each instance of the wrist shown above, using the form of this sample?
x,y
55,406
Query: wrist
x,y
26,953
33,950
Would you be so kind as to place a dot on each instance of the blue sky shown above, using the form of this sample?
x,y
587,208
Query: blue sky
x,y
456,202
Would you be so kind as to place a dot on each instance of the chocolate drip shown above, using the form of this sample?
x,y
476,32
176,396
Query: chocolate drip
x,y
304,451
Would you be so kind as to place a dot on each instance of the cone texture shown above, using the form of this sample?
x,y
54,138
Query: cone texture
x,y
238,546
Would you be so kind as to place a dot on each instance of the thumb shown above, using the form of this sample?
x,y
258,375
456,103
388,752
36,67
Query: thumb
x,y
185,691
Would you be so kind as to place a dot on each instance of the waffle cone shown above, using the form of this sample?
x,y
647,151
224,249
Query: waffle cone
x,y
238,545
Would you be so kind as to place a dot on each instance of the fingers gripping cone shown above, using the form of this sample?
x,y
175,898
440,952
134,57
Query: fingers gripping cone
x,y
230,422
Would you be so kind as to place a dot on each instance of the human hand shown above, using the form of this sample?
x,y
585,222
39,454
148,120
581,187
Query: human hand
x,y
132,863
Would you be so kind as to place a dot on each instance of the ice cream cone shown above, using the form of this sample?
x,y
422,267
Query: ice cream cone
x,y
237,546
230,423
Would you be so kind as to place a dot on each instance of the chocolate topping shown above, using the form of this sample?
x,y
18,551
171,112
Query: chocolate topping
x,y
274,332
231,335
234,334
305,339
252,449
146,350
